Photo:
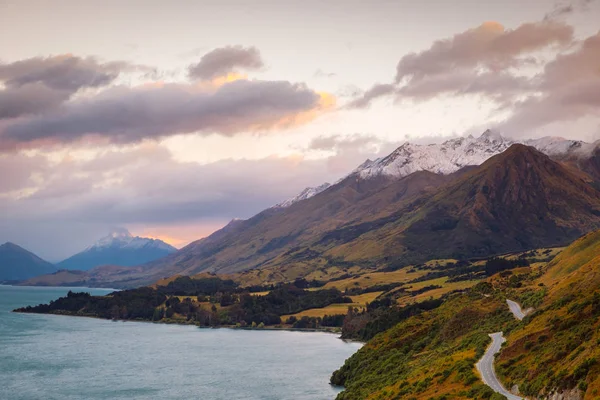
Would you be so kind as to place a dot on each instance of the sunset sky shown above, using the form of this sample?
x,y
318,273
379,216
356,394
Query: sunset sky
x,y
172,118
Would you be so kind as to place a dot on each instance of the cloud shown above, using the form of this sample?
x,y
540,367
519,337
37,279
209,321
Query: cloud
x,y
30,98
569,89
225,60
346,152
21,169
62,72
340,142
378,90
130,114
490,46
319,73
38,84
476,61
145,187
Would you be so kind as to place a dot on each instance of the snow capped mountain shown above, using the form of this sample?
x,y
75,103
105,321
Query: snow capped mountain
x,y
454,154
118,248
121,238
305,194
449,157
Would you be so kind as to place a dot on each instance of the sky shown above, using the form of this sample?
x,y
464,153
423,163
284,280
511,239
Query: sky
x,y
171,119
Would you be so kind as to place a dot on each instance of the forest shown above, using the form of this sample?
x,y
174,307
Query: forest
x,y
206,302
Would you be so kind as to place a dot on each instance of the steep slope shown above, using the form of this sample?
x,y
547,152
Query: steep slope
x,y
16,263
556,348
552,353
287,232
517,200
118,248
430,355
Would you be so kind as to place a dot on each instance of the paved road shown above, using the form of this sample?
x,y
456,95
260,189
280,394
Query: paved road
x,y
515,308
485,366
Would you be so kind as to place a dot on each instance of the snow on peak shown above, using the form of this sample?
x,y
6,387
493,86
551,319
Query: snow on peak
x,y
122,238
454,154
305,194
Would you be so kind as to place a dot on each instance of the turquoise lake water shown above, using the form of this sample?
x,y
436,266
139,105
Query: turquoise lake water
x,y
60,357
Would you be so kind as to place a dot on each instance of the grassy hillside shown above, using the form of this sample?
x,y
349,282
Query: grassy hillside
x,y
558,347
431,355
554,349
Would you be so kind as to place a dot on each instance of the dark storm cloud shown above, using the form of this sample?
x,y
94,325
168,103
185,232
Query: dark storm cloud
x,y
127,115
221,61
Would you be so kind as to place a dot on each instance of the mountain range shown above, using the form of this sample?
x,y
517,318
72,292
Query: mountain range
x,y
118,248
16,263
418,203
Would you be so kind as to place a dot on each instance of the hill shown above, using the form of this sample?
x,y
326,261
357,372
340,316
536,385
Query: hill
x,y
556,347
17,264
551,353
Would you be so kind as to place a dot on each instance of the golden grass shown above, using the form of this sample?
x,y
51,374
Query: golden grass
x,y
375,278
332,309
359,301
446,287
365,298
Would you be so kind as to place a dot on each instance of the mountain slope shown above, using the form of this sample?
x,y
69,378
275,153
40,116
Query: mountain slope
x,y
16,263
517,200
556,348
287,232
119,248
552,353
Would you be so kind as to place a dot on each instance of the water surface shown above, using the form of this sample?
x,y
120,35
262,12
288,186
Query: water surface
x,y
60,357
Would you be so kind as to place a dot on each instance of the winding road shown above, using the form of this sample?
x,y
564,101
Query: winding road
x,y
515,308
485,365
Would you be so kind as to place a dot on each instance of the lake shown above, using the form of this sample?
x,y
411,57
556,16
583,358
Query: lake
x,y
61,357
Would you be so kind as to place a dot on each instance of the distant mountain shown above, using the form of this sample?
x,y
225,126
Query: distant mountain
x,y
454,154
119,248
16,263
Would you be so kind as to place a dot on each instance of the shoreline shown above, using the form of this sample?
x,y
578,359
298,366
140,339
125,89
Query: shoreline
x,y
231,327
60,287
